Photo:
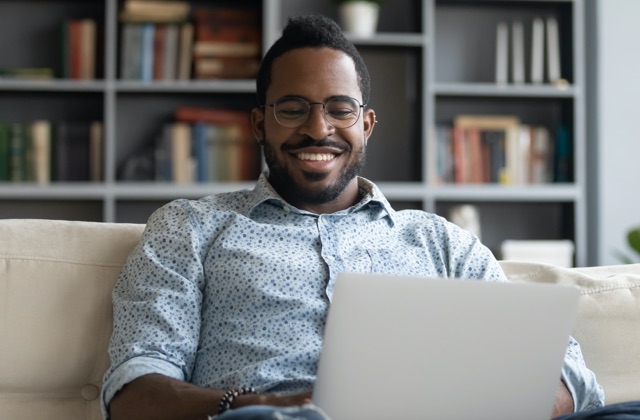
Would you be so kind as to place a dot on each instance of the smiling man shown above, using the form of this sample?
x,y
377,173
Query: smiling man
x,y
220,309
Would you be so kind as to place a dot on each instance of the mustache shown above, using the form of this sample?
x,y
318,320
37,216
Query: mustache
x,y
309,142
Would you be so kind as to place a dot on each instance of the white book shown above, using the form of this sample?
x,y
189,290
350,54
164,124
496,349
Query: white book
x,y
41,143
517,52
537,51
553,50
502,53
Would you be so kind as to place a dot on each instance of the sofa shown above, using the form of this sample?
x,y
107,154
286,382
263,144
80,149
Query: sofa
x,y
56,279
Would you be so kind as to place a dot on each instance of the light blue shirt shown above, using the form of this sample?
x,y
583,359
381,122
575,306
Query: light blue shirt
x,y
233,289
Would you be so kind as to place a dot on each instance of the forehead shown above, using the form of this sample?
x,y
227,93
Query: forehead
x,y
313,73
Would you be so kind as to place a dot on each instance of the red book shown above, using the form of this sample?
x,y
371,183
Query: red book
x,y
75,47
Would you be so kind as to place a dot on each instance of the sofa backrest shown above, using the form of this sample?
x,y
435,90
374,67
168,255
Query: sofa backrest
x,y
56,279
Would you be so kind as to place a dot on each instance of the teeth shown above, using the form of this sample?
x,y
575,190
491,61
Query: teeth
x,y
315,156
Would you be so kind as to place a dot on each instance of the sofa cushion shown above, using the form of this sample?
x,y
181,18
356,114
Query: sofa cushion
x,y
56,279
607,322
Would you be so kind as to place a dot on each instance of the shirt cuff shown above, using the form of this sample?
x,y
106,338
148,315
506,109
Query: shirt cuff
x,y
581,383
130,370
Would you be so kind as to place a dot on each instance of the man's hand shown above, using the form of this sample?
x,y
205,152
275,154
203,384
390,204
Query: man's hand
x,y
564,401
158,397
272,399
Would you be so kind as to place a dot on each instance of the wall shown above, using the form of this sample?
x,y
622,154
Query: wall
x,y
613,111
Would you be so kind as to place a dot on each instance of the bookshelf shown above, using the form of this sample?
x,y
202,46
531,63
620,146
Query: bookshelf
x,y
430,61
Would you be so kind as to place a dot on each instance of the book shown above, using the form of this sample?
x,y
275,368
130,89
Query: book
x,y
96,151
510,126
72,152
541,167
553,51
147,52
224,33
75,48
238,123
185,53
154,11
517,52
41,149
27,73
225,49
537,51
170,53
131,52
226,68
5,152
182,165
502,53
563,155
87,49
18,163
159,48
227,24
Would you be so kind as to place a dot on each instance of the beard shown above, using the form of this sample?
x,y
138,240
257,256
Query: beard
x,y
284,182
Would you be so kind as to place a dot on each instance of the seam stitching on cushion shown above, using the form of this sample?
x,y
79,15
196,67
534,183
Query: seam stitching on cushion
x,y
59,260
593,291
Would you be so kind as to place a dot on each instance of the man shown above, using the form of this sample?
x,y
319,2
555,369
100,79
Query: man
x,y
221,307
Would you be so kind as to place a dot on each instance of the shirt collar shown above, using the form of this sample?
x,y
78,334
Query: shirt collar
x,y
264,192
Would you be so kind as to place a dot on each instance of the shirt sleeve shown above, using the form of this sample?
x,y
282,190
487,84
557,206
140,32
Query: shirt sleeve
x,y
581,382
130,370
157,302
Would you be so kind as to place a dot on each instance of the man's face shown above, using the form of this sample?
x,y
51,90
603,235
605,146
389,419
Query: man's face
x,y
314,163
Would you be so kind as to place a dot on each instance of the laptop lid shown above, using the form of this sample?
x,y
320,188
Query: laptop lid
x,y
411,348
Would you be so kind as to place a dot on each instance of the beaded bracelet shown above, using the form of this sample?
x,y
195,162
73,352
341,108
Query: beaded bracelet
x,y
230,395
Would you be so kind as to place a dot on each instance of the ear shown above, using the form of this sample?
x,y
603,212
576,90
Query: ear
x,y
369,119
257,123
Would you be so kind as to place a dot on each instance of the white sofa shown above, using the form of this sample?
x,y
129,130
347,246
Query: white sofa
x,y
55,316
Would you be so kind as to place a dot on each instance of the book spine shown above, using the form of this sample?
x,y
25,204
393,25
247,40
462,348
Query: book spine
x,y
5,152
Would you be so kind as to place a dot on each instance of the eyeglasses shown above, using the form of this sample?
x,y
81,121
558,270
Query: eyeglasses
x,y
293,111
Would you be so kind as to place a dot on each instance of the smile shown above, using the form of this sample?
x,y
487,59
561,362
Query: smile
x,y
315,156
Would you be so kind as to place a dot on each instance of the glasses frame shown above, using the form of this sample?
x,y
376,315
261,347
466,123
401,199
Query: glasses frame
x,y
324,110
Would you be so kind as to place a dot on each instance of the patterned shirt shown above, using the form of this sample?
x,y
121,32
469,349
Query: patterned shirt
x,y
233,289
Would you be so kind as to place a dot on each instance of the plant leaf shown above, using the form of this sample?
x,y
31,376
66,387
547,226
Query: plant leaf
x,y
622,257
633,237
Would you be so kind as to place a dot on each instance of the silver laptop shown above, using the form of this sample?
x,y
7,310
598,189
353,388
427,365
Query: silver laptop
x,y
417,348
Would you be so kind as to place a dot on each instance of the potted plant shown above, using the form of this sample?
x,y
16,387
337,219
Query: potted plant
x,y
359,17
633,240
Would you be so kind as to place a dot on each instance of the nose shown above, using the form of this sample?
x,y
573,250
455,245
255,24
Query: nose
x,y
316,126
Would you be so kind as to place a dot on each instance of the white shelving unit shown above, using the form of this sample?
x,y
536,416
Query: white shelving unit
x,y
429,61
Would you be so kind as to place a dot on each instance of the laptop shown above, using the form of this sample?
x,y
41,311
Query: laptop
x,y
414,348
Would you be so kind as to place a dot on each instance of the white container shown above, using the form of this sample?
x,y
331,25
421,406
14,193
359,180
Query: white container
x,y
359,18
553,252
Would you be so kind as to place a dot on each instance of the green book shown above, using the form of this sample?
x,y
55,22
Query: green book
x,y
5,152
18,161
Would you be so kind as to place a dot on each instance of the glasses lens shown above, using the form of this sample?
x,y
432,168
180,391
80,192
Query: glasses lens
x,y
291,112
342,112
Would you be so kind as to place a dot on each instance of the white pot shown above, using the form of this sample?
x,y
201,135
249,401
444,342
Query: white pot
x,y
359,18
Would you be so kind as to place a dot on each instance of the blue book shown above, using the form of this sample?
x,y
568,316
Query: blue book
x,y
199,137
148,30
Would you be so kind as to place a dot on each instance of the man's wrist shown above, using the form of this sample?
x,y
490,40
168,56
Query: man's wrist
x,y
227,399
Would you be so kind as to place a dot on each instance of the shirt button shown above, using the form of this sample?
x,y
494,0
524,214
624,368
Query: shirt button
x,y
330,258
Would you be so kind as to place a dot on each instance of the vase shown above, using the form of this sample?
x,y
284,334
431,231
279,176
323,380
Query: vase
x,y
359,18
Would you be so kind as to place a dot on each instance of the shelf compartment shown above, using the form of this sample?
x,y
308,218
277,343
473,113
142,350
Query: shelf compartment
x,y
519,220
465,36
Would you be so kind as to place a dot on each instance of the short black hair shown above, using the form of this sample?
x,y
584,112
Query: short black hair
x,y
314,31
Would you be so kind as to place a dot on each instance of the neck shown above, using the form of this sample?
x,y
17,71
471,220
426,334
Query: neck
x,y
348,197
